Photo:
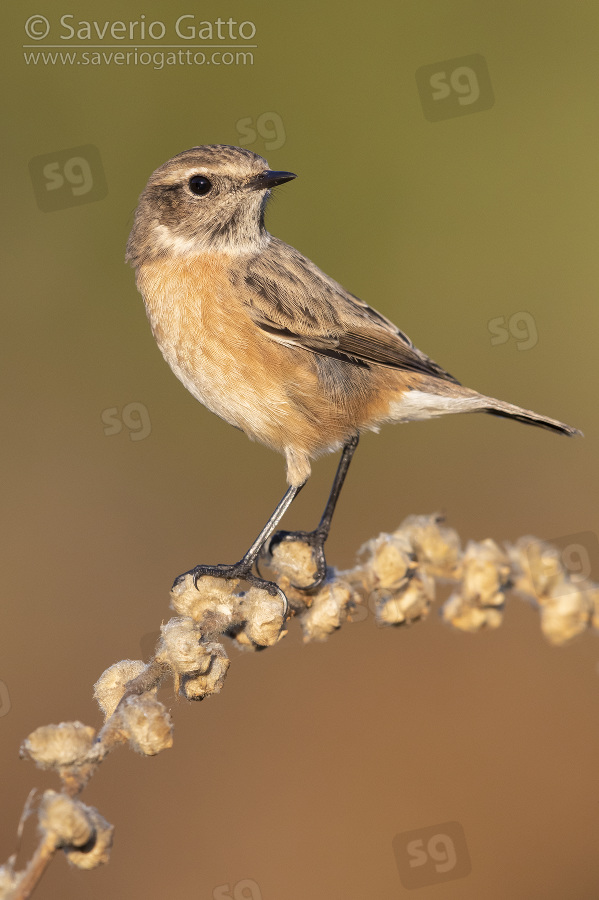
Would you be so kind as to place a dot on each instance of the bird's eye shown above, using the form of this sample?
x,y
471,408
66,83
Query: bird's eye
x,y
199,185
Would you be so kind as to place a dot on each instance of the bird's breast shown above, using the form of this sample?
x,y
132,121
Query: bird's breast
x,y
208,339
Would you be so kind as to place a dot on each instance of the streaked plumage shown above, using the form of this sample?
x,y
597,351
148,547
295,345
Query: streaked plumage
x,y
264,338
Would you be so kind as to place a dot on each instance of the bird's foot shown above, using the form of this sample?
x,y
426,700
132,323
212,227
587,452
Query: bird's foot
x,y
240,571
316,541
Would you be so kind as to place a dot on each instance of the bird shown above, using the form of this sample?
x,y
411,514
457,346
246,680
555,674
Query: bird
x,y
269,342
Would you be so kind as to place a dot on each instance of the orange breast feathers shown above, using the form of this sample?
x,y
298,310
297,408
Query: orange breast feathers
x,y
206,335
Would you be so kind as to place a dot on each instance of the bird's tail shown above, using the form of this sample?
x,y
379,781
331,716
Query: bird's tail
x,y
435,398
499,408
510,411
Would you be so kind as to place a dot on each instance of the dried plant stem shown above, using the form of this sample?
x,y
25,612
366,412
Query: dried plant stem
x,y
394,581
36,867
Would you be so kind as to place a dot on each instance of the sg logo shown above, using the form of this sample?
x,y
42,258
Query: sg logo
x,y
578,554
4,699
520,325
432,855
269,126
68,178
455,87
134,415
239,891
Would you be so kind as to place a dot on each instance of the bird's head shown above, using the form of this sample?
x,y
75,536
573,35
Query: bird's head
x,y
209,198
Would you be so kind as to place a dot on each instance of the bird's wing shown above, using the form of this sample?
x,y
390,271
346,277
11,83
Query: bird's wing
x,y
294,302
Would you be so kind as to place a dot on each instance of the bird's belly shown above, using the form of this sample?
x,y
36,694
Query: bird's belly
x,y
220,368
205,336
227,388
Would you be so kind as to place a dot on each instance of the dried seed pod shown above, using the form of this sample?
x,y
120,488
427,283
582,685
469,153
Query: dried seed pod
x,y
112,683
145,723
59,746
211,679
327,612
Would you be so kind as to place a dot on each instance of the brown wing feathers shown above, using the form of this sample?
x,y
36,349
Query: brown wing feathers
x,y
298,304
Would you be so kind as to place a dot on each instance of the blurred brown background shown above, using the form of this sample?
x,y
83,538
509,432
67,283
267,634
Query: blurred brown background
x,y
295,781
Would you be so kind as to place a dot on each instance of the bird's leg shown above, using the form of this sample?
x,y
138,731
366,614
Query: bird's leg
x,y
243,568
316,539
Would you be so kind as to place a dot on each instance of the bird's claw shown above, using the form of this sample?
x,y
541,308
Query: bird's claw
x,y
238,571
315,540
219,571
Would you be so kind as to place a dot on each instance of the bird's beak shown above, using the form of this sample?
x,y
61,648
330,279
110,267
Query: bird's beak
x,y
269,179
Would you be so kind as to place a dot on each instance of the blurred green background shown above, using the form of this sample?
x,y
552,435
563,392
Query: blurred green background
x,y
300,774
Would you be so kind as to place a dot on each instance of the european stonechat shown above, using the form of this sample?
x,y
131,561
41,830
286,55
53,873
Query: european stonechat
x,y
263,338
